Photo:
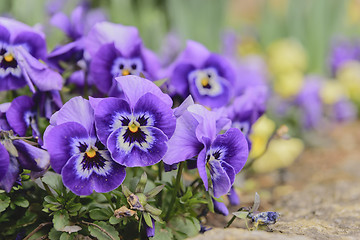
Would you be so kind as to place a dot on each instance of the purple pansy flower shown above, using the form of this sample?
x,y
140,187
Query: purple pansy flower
x,y
77,154
206,76
136,129
344,110
310,103
21,115
20,47
223,155
220,207
343,51
73,53
47,102
117,50
247,108
15,154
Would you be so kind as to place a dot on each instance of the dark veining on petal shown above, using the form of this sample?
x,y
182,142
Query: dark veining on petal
x,y
124,120
89,162
138,136
142,120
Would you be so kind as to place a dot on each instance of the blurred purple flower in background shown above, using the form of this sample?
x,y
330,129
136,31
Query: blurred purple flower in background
x,y
117,50
207,76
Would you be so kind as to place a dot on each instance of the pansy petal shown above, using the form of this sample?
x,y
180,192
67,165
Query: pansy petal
x,y
229,171
151,62
4,161
179,78
33,42
201,165
61,21
215,101
4,35
233,197
77,110
100,67
194,53
37,73
183,106
223,67
75,182
11,175
233,147
207,122
18,114
78,21
108,114
184,143
220,179
113,178
73,179
124,37
11,82
142,86
61,145
134,154
161,114
220,208
31,157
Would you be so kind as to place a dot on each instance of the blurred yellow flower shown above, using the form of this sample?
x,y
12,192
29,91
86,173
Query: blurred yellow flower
x,y
286,55
281,153
289,84
332,91
248,46
353,11
262,130
349,76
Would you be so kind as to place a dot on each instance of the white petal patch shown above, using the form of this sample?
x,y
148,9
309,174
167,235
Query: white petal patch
x,y
207,81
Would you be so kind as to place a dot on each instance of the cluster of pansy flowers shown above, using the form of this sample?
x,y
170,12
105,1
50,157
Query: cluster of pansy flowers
x,y
131,122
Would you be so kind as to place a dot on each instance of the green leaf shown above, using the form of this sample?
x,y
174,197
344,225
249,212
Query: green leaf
x,y
114,220
160,82
147,219
101,235
241,214
153,192
141,184
61,220
210,203
4,202
65,236
27,219
54,235
50,199
162,233
21,202
186,196
74,207
100,214
185,226
54,181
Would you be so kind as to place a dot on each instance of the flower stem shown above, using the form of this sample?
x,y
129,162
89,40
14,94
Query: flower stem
x,y
100,228
177,186
232,219
37,229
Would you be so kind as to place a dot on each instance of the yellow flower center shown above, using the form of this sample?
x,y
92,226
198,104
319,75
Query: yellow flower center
x,y
133,127
9,57
204,81
125,72
91,153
